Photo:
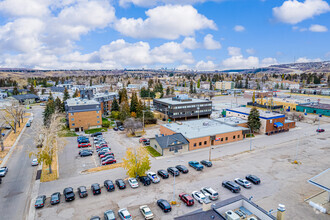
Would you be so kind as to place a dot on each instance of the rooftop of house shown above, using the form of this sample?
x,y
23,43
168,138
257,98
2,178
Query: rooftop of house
x,y
25,96
171,140
80,102
202,128
262,114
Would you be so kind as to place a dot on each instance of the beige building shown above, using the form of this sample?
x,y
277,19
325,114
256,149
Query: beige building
x,y
170,144
224,85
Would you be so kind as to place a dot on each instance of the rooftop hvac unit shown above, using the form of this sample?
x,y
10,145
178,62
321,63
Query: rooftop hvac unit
x,y
230,215
252,218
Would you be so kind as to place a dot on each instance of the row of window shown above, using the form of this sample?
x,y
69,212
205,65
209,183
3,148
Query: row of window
x,y
73,124
96,112
72,119
192,106
193,112
205,142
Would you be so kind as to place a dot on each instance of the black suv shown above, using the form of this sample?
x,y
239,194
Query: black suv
x,y
108,184
164,205
145,180
182,168
82,191
206,163
254,179
68,194
120,183
96,189
163,174
231,186
174,171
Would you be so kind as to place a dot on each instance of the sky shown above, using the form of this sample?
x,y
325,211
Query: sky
x,y
181,34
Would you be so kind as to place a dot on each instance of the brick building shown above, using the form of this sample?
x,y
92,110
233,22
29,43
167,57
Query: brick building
x,y
271,122
205,132
83,114
105,100
258,94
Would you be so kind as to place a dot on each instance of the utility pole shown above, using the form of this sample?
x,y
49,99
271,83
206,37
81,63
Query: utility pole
x,y
143,118
250,139
210,152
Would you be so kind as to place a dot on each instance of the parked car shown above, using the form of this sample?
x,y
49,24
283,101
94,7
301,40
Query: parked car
x,y
146,212
95,218
109,161
115,128
68,194
182,168
143,140
82,192
108,184
163,174
85,153
84,145
96,189
164,205
211,193
34,162
200,197
124,214
28,124
133,182
55,198
145,180
3,171
106,154
231,186
206,163
187,199
40,201
88,150
174,171
253,179
109,215
121,128
196,165
153,176
243,182
120,183
96,134
320,130
107,157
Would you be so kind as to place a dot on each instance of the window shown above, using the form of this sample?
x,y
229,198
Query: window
x,y
200,143
205,142
155,146
195,144
98,121
221,139
72,119
72,124
98,116
234,137
237,136
71,114
226,138
97,112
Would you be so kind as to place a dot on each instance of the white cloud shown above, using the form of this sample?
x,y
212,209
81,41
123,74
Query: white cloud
x,y
307,60
202,65
166,22
190,43
251,51
31,8
210,43
234,51
171,52
149,3
239,28
293,11
269,61
237,61
318,28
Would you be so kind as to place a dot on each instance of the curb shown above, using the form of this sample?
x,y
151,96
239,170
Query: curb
x,y
34,193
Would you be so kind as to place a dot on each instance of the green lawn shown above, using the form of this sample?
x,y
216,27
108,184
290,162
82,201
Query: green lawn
x,y
153,152
66,132
91,131
248,135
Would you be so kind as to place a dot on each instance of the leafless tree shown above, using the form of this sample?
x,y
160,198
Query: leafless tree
x,y
131,124
211,95
198,95
10,114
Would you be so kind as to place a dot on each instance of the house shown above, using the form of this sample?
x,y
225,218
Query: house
x,y
170,144
26,98
224,85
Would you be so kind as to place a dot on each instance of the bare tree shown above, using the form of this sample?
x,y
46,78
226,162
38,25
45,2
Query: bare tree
x,y
198,95
211,95
131,124
9,115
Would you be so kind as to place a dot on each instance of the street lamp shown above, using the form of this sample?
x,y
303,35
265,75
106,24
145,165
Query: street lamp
x,y
250,139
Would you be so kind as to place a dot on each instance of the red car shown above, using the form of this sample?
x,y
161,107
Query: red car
x,y
104,145
84,145
106,154
143,140
320,130
186,199
110,161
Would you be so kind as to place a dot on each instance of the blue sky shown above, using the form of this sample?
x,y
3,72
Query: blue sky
x,y
195,34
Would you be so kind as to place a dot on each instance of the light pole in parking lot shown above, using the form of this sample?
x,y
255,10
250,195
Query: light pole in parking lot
x,y
250,138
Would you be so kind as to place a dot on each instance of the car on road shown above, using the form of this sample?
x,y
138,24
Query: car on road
x,y
115,128
120,183
187,199
109,215
243,182
174,171
28,124
133,182
55,198
196,165
253,179
164,205
108,184
211,193
231,186
3,171
96,134
84,145
34,162
163,174
109,161
82,192
182,168
40,201
121,128
145,180
96,189
320,130
206,163
124,214
200,197
146,212
153,176
68,194
85,153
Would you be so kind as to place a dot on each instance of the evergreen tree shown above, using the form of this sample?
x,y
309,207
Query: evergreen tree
x,y
15,91
49,110
123,95
43,91
168,91
211,85
66,95
134,102
90,82
172,90
195,90
199,83
114,105
76,93
254,97
139,109
246,83
32,90
58,105
50,97
191,88
254,120
124,111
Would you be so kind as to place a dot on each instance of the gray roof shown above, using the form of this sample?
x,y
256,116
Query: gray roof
x,y
316,105
25,96
263,114
202,128
81,102
170,101
171,140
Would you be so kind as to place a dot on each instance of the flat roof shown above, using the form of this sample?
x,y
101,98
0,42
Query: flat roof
x,y
202,128
232,120
178,102
316,105
100,95
263,114
322,180
80,102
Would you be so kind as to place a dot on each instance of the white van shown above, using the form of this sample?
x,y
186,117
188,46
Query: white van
x,y
211,193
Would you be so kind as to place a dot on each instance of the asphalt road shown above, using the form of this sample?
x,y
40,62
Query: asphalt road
x,y
16,186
